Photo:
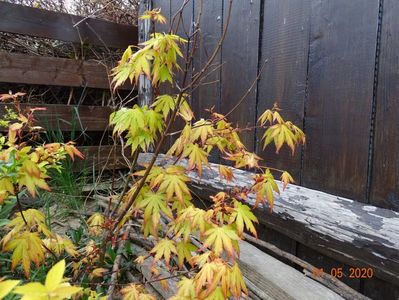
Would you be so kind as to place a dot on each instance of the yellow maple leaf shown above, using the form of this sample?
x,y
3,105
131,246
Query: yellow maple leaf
x,y
95,223
222,238
164,248
7,286
55,286
27,247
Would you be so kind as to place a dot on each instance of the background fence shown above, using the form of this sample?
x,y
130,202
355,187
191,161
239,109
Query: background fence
x,y
30,69
332,66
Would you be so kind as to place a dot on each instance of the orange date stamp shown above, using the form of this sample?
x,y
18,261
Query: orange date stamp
x,y
339,272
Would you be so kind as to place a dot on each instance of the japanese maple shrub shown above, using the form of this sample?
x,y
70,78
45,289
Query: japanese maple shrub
x,y
202,241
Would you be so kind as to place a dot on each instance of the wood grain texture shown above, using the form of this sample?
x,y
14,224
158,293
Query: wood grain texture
x,y
207,94
319,261
22,68
181,13
59,26
350,232
68,117
285,46
338,108
385,175
278,280
105,157
240,59
165,6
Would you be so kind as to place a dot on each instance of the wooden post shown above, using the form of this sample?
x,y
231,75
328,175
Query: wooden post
x,y
145,29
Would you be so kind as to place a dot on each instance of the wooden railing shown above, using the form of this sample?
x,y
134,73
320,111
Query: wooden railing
x,y
54,71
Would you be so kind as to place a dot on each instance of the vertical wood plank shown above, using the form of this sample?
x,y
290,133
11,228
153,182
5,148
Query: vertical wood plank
x,y
338,108
145,92
182,26
385,176
165,6
207,94
285,46
240,59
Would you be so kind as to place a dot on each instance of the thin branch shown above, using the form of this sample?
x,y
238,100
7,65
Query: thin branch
x,y
93,14
116,266
20,208
248,91
198,76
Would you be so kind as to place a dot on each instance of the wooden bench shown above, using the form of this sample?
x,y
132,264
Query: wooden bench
x,y
350,232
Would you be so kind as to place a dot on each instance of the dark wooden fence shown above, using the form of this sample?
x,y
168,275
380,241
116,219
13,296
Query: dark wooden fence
x,y
332,66
54,71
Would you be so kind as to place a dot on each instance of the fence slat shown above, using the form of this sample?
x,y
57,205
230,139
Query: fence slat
x,y
385,176
59,26
240,58
338,109
22,68
208,93
67,117
105,157
285,46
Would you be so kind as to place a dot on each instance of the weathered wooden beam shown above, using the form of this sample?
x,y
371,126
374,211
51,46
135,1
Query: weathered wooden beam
x,y
60,26
356,234
22,68
67,117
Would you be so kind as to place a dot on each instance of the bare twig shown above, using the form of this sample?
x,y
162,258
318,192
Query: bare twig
x,y
115,268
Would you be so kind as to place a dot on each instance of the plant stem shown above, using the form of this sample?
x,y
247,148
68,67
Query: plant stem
x,y
20,209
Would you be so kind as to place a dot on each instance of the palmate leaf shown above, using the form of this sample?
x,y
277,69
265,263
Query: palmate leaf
x,y
271,116
226,173
192,218
201,130
217,294
196,157
31,177
155,15
164,104
186,289
55,286
6,185
242,215
284,133
235,282
184,250
286,178
222,238
26,247
244,158
135,292
184,139
127,118
60,244
209,277
95,223
164,249
264,187
153,204
139,139
173,183
141,123
35,220
185,111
